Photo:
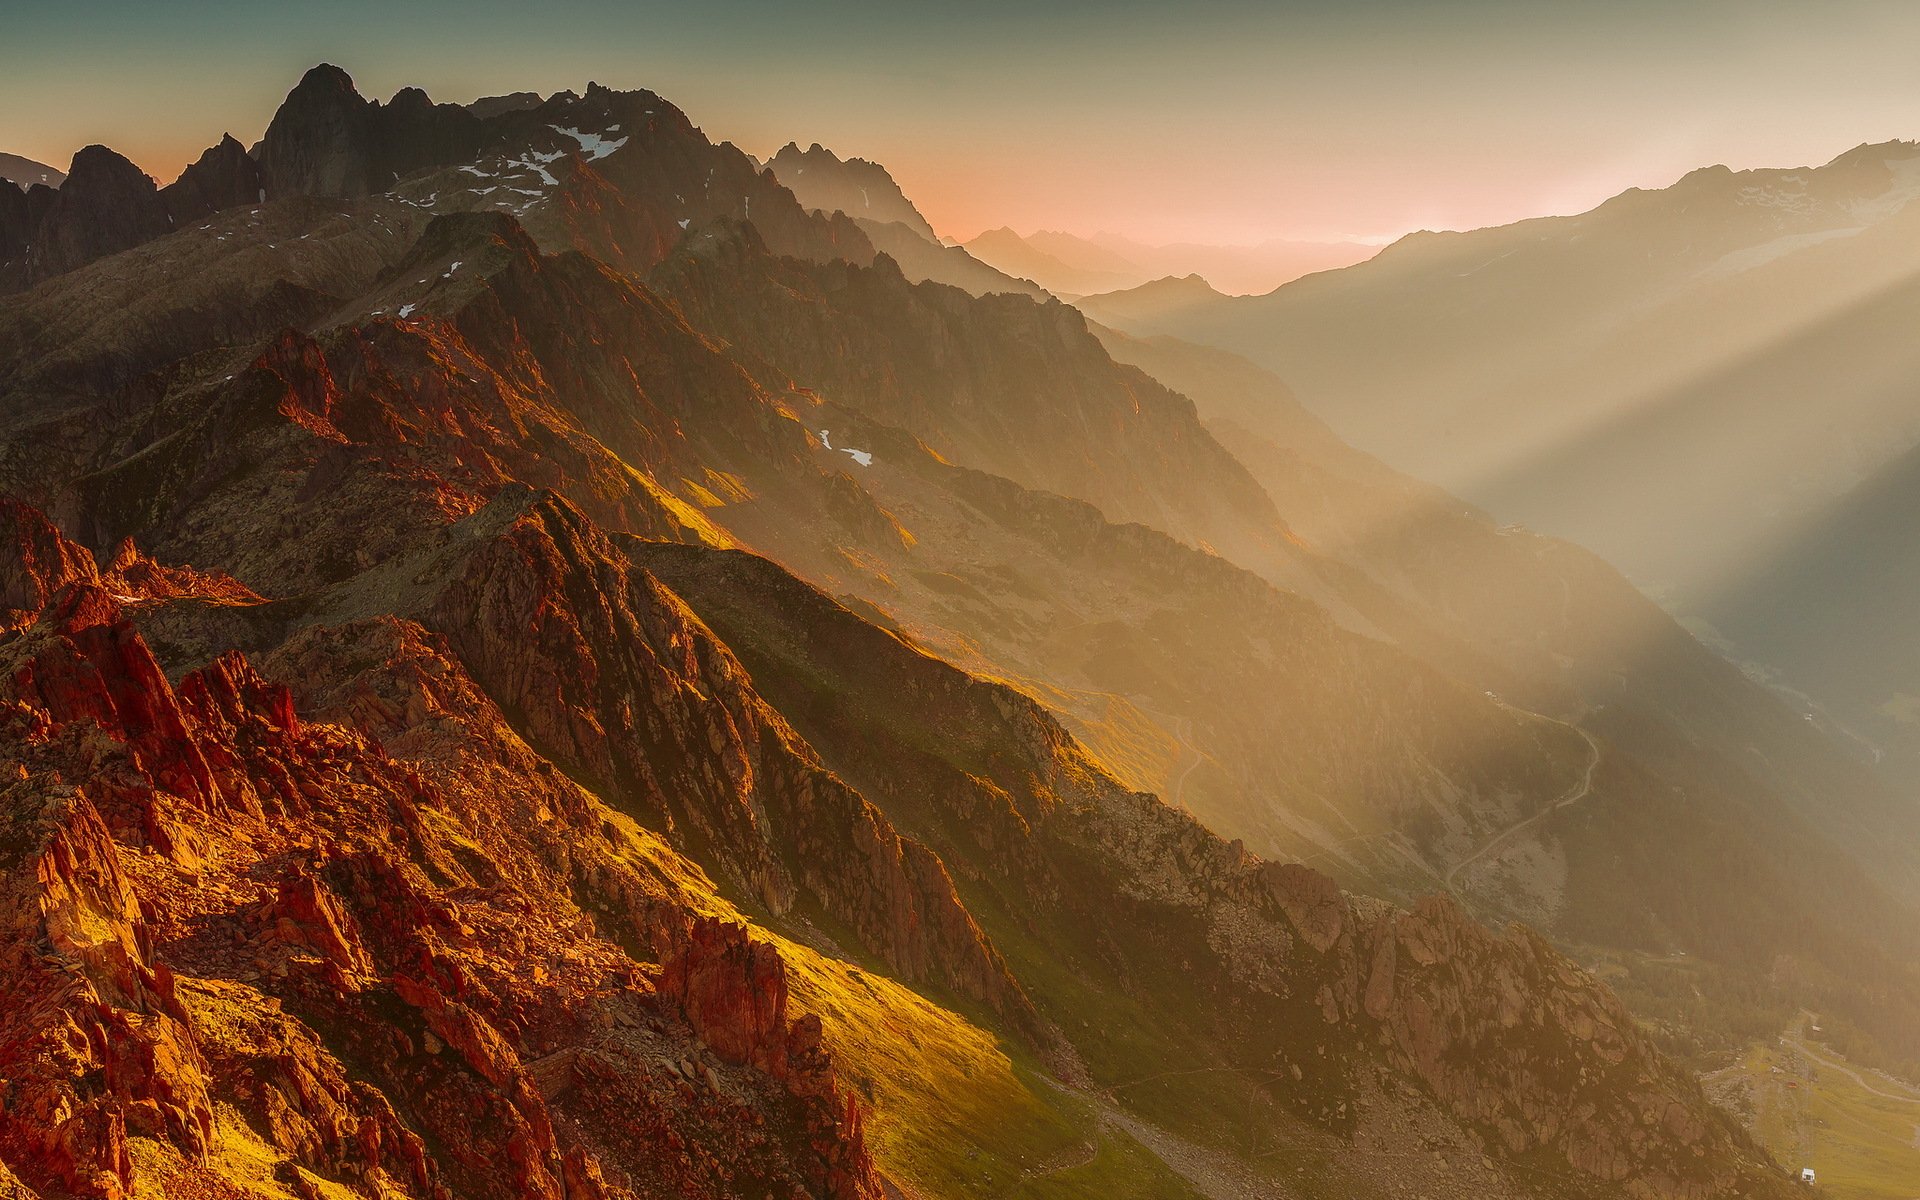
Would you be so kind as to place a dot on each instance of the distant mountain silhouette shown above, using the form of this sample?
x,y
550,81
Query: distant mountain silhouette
x,y
823,181
25,172
1068,264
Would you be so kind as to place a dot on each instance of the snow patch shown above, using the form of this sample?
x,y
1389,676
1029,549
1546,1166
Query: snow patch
x,y
863,457
1790,196
407,309
534,161
593,145
1758,256
1904,189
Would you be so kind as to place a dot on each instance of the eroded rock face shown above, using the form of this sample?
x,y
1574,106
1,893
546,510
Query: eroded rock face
x,y
238,906
617,680
1508,1035
36,561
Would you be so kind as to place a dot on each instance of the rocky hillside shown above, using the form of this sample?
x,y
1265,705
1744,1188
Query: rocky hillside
x,y
536,666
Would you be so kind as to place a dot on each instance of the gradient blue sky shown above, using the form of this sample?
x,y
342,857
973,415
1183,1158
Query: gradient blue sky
x,y
1220,121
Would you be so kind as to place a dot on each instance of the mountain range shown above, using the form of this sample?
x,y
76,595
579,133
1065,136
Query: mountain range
x,y
1044,262
1070,265
544,658
1722,361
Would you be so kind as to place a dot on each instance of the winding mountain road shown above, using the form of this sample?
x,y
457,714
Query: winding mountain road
x,y
1183,738
1183,731
1573,796
1798,1041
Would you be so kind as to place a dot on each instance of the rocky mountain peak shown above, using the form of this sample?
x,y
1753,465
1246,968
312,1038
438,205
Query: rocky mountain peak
x,y
318,142
863,190
493,106
223,177
325,79
106,205
410,100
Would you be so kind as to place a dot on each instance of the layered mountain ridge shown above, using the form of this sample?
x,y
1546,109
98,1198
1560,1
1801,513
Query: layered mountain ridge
x,y
591,649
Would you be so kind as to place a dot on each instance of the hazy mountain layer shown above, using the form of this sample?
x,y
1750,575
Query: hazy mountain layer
x,y
1070,265
1686,381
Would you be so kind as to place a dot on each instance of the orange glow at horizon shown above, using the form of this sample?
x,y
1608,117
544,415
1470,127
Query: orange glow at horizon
x,y
1231,123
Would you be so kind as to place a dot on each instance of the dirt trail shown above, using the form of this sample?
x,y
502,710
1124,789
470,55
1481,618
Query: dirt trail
x,y
1574,796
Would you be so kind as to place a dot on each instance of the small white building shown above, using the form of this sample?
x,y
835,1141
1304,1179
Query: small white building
x,y
1806,1175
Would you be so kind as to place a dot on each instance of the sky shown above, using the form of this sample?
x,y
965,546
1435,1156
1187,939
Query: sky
x,y
1216,121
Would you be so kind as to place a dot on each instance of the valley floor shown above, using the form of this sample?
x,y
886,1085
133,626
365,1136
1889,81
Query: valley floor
x,y
1857,1128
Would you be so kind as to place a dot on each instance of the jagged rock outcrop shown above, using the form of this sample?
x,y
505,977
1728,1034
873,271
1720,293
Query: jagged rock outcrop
x,y
223,177
615,680
320,141
821,179
219,912
36,560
